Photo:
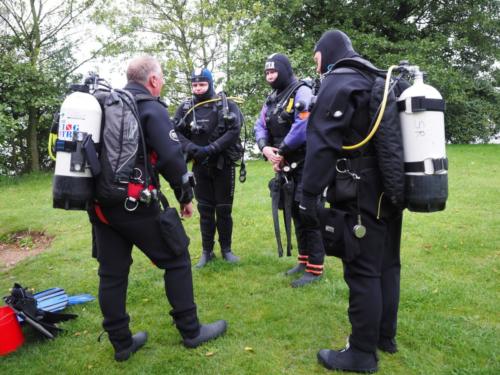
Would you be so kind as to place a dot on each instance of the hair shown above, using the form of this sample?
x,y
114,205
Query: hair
x,y
141,67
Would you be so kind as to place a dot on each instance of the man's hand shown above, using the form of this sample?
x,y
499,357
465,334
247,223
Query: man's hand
x,y
203,152
308,209
191,149
278,166
271,153
187,210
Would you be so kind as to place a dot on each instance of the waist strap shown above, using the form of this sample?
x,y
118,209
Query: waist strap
x,y
356,164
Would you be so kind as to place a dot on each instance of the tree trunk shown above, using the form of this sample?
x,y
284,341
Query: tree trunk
x,y
34,157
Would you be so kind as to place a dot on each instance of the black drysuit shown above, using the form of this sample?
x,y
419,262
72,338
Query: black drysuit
x,y
116,231
371,264
215,171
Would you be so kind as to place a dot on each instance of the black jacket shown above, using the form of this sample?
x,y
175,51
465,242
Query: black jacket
x,y
339,117
161,138
208,119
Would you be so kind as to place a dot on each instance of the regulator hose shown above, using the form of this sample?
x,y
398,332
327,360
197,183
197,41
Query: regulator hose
x,y
380,114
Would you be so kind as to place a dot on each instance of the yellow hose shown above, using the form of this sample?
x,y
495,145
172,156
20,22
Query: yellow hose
x,y
233,98
52,141
380,115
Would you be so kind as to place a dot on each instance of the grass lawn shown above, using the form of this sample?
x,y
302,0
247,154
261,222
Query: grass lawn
x,y
449,320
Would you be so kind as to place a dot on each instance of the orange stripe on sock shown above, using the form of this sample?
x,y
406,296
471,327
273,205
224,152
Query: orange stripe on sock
x,y
316,266
317,273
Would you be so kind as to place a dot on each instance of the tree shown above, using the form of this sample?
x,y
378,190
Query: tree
x,y
455,42
39,62
182,34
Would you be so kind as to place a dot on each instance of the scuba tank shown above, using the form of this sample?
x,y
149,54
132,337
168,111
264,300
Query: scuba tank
x,y
79,122
421,112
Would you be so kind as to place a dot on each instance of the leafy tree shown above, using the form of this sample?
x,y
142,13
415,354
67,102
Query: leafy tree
x,y
37,63
456,42
182,34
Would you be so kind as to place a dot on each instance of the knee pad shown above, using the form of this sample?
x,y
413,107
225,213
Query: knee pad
x,y
224,210
206,209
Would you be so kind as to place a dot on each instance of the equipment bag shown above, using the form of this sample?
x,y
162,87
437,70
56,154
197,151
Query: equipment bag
x,y
171,228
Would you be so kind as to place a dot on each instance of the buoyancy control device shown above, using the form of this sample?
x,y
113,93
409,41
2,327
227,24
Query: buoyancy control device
x,y
421,115
98,140
226,120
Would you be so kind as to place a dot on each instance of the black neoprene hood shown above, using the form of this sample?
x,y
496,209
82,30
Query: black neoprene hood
x,y
281,64
334,45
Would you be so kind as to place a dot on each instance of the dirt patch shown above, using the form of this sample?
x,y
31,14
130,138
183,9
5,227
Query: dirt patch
x,y
15,247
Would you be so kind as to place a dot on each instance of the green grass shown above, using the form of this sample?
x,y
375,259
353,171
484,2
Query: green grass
x,y
449,314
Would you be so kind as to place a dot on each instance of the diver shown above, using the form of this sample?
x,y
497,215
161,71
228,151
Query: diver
x,y
208,127
280,132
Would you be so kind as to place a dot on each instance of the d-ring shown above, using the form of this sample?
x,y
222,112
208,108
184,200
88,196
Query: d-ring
x,y
130,209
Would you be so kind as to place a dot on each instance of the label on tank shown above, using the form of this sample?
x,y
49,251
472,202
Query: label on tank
x,y
67,127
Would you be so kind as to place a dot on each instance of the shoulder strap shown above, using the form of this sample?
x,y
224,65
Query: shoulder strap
x,y
291,91
146,97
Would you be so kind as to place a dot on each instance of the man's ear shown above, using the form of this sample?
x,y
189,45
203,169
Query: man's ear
x,y
153,82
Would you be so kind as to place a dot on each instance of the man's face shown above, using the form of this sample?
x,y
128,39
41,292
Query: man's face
x,y
317,60
199,88
271,75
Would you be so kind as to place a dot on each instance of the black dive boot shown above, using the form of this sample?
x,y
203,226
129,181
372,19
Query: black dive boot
x,y
138,341
348,359
298,268
306,278
387,345
206,256
229,256
207,333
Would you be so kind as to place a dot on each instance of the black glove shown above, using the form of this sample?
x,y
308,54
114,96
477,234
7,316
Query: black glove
x,y
191,149
203,152
184,193
308,209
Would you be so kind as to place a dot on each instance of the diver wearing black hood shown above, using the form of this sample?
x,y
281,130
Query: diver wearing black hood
x,y
282,141
371,261
282,65
208,139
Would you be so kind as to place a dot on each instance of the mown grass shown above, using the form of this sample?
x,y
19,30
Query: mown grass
x,y
449,314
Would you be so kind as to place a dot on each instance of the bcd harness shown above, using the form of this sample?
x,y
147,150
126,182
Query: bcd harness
x,y
282,186
225,121
282,109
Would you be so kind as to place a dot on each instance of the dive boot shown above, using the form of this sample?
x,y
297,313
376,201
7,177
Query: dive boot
x,y
207,333
348,359
298,268
230,257
387,345
305,279
138,341
206,256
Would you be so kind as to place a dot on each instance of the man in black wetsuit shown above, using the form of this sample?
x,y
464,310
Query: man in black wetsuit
x,y
210,137
116,230
341,117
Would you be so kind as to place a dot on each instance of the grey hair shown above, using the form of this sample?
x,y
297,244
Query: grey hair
x,y
141,67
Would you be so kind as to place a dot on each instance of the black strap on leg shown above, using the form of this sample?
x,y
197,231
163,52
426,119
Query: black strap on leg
x,y
275,188
288,188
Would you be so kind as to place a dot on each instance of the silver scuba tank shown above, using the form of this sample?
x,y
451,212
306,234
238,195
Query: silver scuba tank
x,y
422,125
73,184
